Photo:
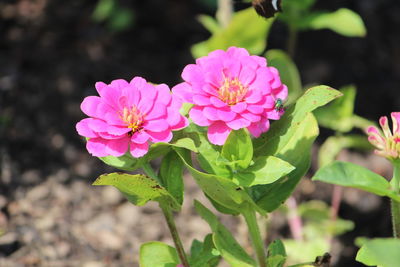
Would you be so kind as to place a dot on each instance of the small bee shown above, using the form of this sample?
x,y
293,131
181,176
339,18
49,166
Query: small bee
x,y
279,105
267,8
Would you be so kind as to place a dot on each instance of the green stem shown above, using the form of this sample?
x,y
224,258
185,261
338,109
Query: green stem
x,y
169,217
174,233
258,244
224,12
395,205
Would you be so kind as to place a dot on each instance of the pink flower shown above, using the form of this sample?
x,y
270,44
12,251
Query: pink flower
x,y
231,90
388,144
129,116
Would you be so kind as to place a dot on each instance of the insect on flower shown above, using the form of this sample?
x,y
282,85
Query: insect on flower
x,y
279,105
267,8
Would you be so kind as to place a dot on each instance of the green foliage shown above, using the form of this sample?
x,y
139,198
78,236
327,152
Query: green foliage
x,y
276,254
247,30
129,163
299,16
204,254
381,252
343,21
331,148
138,189
171,175
288,72
351,175
238,149
288,138
222,190
117,18
265,170
226,244
158,254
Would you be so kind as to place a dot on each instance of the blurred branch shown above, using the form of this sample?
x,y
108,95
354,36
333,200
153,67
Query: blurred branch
x,y
224,12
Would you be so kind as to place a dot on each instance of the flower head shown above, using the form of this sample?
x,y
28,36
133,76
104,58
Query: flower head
x,y
129,116
231,90
388,144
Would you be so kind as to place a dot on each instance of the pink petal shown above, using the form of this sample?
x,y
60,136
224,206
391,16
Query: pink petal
x,y
281,93
117,147
163,94
250,116
173,116
225,114
132,96
138,150
97,147
264,125
254,96
197,115
97,125
274,114
156,125
216,102
396,122
237,52
255,109
119,84
276,83
238,123
83,129
211,113
156,112
218,132
164,136
231,68
184,122
193,74
184,92
247,75
261,82
262,62
100,86
90,104
201,100
138,82
140,137
114,130
254,130
239,107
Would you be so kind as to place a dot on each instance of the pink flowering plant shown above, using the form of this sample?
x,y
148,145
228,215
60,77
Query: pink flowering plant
x,y
387,144
226,124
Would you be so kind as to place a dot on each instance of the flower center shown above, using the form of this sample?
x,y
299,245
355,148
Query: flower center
x,y
132,118
232,91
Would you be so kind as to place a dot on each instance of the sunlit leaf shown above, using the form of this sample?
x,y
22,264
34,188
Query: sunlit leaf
x,y
158,254
382,252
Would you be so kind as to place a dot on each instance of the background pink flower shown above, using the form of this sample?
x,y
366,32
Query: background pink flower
x,y
129,116
388,144
231,90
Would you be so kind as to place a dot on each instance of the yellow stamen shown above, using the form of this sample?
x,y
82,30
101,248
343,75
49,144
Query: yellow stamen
x,y
132,118
232,91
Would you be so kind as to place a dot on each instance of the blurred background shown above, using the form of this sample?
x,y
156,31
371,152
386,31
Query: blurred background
x,y
51,54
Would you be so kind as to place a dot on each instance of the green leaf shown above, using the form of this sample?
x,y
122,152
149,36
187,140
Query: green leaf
x,y
203,254
382,252
351,175
285,129
171,174
305,251
334,144
338,115
276,254
238,148
270,197
158,254
129,163
247,30
226,244
208,153
343,21
265,170
221,190
209,23
288,72
120,19
137,188
103,10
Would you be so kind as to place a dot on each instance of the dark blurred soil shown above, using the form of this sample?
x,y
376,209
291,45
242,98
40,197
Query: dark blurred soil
x,y
52,53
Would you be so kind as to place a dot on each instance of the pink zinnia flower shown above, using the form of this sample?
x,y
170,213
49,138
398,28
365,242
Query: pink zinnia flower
x,y
231,90
388,144
129,116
